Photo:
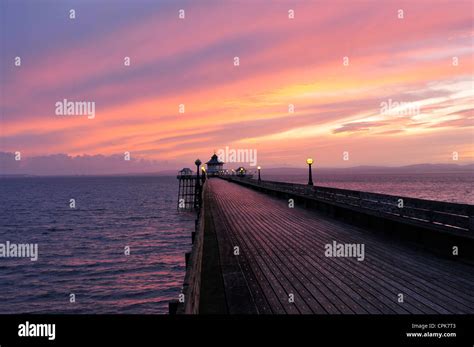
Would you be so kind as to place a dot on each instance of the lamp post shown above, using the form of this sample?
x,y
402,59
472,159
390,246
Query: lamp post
x,y
203,175
197,190
259,168
309,161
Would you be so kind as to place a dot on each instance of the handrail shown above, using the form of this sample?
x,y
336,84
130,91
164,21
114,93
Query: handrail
x,y
448,215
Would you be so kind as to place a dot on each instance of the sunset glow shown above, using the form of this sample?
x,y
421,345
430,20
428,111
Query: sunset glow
x,y
283,61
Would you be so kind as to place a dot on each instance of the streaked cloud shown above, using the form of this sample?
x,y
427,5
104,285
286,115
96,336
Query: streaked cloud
x,y
283,62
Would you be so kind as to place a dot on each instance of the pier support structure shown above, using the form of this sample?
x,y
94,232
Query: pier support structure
x,y
186,190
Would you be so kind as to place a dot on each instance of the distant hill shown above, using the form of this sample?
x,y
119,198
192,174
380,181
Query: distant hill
x,y
67,165
366,169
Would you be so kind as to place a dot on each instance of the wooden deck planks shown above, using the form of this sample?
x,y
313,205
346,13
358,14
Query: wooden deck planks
x,y
424,277
383,277
282,253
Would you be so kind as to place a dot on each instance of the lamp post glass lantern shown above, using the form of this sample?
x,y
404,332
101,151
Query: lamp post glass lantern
x,y
309,161
259,168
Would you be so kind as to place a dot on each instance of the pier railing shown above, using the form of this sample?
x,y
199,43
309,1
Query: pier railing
x,y
445,215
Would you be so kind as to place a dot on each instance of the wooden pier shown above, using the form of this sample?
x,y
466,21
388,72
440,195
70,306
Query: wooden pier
x,y
259,247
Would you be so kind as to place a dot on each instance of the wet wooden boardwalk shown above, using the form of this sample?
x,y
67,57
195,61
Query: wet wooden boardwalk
x,y
281,256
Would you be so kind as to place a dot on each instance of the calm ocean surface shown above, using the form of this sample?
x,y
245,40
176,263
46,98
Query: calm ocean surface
x,y
81,250
450,187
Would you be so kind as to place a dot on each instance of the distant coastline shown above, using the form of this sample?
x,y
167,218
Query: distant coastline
x,y
288,171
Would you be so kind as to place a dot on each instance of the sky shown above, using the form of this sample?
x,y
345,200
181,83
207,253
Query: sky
x,y
337,62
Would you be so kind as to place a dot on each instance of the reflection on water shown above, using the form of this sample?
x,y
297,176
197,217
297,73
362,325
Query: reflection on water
x,y
81,250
